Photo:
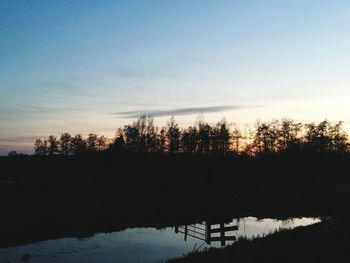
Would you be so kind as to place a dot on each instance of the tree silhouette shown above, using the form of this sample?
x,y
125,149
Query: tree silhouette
x,y
316,138
92,142
290,138
266,137
236,138
220,138
131,138
65,144
141,125
141,136
102,142
78,144
40,147
248,136
118,144
173,136
204,136
325,137
151,136
189,140
339,138
285,136
53,145
162,141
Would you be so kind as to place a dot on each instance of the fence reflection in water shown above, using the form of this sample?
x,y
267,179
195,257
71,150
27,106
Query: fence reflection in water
x,y
209,231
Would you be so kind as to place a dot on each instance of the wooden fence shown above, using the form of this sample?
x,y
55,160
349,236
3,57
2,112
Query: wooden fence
x,y
207,232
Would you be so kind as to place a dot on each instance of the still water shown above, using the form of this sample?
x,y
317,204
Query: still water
x,y
140,244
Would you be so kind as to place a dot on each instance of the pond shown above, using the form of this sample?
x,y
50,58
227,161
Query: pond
x,y
147,244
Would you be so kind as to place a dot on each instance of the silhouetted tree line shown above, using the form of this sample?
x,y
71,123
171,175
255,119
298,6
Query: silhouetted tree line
x,y
70,145
142,136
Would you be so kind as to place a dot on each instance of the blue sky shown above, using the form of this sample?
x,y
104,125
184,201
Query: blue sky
x,y
79,66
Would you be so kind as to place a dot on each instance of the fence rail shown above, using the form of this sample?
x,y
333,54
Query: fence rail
x,y
204,231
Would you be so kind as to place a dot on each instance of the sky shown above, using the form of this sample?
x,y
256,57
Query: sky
x,y
87,66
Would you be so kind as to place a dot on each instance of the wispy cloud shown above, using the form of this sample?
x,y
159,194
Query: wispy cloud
x,y
181,111
20,112
19,139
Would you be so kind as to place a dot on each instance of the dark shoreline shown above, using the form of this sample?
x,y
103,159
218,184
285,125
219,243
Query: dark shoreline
x,y
323,242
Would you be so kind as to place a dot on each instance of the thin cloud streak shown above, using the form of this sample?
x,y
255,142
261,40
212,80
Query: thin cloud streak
x,y
182,111
20,139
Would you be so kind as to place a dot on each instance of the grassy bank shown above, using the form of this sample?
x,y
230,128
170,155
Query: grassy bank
x,y
323,242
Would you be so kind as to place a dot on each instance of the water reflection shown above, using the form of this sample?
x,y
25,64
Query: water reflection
x,y
226,232
209,232
146,244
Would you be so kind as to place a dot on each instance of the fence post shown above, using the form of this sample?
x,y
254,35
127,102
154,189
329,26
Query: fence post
x,y
222,234
208,232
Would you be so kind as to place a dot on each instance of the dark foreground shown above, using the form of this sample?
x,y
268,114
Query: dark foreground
x,y
52,197
324,242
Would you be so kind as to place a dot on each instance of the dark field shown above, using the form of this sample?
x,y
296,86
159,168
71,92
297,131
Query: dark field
x,y
50,197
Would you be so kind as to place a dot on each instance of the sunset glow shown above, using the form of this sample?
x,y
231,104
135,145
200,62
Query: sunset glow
x,y
72,66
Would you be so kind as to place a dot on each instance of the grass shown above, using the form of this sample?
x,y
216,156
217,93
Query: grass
x,y
323,242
